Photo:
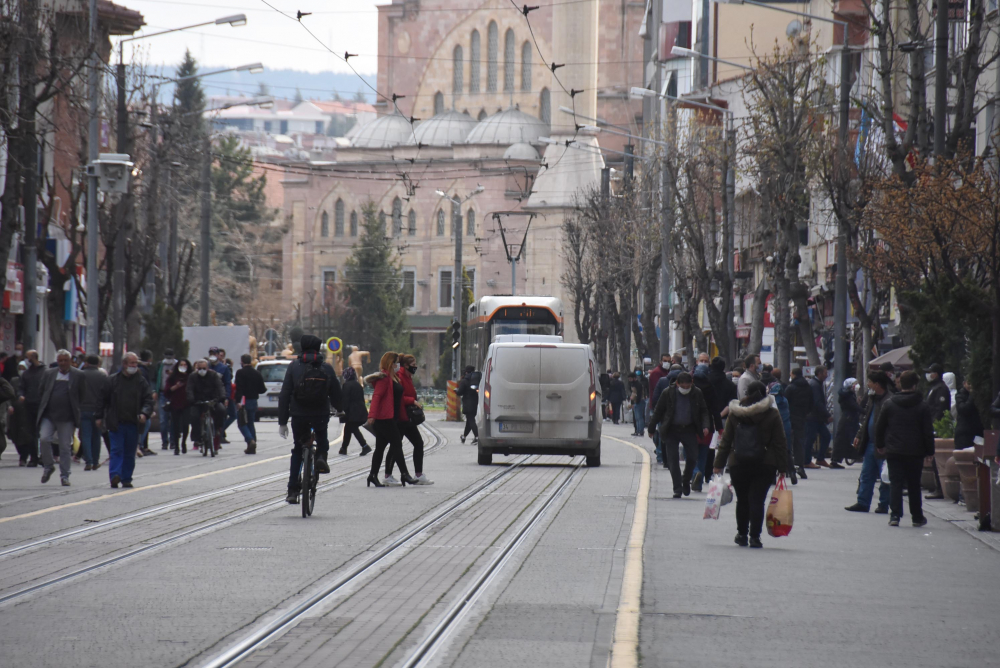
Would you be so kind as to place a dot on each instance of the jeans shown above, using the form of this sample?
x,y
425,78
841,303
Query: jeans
x,y
815,428
302,429
639,415
412,432
871,469
689,440
65,434
249,430
905,471
90,438
123,446
751,482
230,415
165,416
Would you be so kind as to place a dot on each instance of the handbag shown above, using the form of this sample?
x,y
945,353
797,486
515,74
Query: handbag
x,y
415,414
780,513
241,416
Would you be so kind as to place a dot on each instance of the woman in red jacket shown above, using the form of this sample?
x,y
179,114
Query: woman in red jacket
x,y
408,367
383,414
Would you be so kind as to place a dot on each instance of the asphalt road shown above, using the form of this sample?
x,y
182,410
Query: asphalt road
x,y
523,562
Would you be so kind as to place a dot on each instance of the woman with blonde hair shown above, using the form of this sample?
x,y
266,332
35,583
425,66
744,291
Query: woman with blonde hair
x,y
385,410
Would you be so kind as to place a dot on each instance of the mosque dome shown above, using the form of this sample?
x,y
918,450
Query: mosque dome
x,y
521,151
383,132
510,126
445,129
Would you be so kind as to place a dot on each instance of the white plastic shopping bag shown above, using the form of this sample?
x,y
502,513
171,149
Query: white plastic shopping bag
x,y
885,472
713,502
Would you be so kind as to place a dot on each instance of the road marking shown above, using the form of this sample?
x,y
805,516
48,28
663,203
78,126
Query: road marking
x,y
625,642
168,483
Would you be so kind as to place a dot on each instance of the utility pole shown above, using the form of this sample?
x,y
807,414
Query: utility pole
x,y
730,230
118,282
206,230
93,139
843,234
456,217
27,111
940,76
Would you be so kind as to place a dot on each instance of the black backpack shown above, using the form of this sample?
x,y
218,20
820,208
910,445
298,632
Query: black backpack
x,y
311,392
747,447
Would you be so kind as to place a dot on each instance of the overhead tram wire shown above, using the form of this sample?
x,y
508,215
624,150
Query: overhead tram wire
x,y
362,11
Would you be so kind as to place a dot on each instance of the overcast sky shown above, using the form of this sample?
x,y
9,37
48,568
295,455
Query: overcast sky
x,y
268,37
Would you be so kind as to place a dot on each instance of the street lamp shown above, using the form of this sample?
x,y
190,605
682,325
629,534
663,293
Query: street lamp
x,y
456,218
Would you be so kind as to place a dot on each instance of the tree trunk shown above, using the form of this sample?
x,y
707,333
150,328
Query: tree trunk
x,y
650,308
782,335
996,342
757,322
806,331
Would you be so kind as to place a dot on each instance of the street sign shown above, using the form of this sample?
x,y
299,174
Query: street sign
x,y
334,345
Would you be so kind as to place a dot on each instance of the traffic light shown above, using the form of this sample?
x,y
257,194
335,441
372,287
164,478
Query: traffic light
x,y
456,334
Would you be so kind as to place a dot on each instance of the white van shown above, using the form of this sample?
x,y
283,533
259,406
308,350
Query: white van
x,y
539,396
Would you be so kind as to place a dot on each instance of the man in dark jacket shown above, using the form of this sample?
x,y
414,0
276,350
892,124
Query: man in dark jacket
x,y
939,402
249,386
864,444
705,454
96,383
30,394
800,403
616,396
217,363
639,390
468,390
62,392
309,390
816,422
127,405
680,416
205,386
904,435
725,389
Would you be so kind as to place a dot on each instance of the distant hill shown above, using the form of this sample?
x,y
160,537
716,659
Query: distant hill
x,y
282,84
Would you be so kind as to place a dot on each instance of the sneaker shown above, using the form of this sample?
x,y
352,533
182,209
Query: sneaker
x,y
741,539
462,439
421,479
127,485
65,483
475,440
115,480
88,467
46,474
321,465
364,451
857,508
389,481
292,498
755,542
677,495
893,521
921,522
835,465
881,510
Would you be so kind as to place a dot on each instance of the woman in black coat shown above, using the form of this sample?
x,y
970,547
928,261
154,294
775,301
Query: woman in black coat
x,y
968,424
850,422
355,412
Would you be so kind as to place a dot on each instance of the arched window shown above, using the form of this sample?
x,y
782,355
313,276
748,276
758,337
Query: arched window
x,y
526,67
324,225
458,72
481,115
508,61
474,63
397,217
354,223
545,107
440,225
492,44
411,228
338,219
470,223
381,221
438,103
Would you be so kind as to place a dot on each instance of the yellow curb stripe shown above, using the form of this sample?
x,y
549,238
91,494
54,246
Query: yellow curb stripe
x,y
625,643
122,493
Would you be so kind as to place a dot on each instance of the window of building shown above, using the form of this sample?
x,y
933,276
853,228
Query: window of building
x,y
324,225
329,286
381,222
474,63
411,228
492,44
267,126
409,287
397,217
354,223
470,223
283,127
319,127
545,107
440,223
438,103
526,67
481,115
444,288
338,219
508,61
458,70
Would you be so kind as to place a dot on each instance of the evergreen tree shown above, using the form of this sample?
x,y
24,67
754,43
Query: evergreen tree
x,y
163,330
374,291
360,95
263,89
298,96
189,94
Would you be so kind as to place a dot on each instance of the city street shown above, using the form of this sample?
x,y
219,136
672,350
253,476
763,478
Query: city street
x,y
204,564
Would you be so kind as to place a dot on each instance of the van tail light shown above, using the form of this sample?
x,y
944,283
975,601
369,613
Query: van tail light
x,y
486,391
593,392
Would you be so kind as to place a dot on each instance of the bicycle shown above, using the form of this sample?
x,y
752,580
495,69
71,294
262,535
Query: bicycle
x,y
207,428
308,477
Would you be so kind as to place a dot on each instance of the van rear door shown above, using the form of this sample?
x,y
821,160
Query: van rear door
x,y
514,392
564,388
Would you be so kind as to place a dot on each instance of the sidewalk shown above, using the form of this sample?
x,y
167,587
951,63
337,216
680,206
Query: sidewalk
x,y
844,589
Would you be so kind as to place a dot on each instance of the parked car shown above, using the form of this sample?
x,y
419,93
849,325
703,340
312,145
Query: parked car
x,y
273,372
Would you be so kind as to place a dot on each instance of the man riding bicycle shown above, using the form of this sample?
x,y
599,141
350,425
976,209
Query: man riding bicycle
x,y
309,390
205,385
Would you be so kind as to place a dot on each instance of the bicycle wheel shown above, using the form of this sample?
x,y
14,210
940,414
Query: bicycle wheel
x,y
305,481
209,429
206,438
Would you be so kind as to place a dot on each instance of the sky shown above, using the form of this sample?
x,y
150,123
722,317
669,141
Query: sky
x,y
268,37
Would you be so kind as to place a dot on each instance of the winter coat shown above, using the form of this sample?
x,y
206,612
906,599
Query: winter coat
x,y
31,384
384,405
850,422
118,384
354,401
289,406
225,374
874,403
617,392
777,390
968,425
638,388
468,390
819,412
770,431
938,399
77,392
666,404
654,377
409,392
905,426
800,399
19,427
204,388
177,398
249,383
714,406
725,391
96,382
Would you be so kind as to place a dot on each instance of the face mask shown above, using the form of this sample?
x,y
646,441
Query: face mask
x,y
928,377
871,391
130,370
683,390
182,368
202,372
213,358
412,369
169,361
395,367
665,365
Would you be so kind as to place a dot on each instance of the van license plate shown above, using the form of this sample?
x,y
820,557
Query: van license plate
x,y
517,427
273,398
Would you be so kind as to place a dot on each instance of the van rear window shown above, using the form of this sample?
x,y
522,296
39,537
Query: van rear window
x,y
561,366
517,365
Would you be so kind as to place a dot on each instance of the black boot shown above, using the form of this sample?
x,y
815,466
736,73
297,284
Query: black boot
x,y
251,448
